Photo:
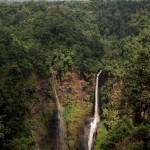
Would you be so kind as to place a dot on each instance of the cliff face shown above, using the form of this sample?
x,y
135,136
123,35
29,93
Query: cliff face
x,y
76,96
73,87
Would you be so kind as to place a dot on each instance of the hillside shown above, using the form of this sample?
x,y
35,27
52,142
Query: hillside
x,y
73,41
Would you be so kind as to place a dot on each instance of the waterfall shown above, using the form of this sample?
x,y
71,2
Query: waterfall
x,y
61,126
94,123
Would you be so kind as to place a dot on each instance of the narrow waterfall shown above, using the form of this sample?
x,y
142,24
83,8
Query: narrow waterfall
x,y
96,119
61,126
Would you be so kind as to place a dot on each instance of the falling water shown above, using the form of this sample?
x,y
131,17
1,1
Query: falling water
x,y
61,127
95,121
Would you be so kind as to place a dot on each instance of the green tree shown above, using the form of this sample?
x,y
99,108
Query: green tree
x,y
137,84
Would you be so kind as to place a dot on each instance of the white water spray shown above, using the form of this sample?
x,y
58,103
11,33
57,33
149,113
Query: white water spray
x,y
96,120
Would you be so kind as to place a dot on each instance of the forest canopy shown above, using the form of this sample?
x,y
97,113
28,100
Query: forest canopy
x,y
38,37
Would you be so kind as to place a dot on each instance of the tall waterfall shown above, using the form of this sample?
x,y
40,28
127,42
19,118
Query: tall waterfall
x,y
96,120
61,126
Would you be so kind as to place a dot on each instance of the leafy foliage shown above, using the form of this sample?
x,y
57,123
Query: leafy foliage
x,y
36,37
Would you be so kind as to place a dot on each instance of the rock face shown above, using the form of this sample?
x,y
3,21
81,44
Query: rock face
x,y
72,88
76,106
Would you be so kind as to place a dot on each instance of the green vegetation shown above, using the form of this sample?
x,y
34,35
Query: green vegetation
x,y
37,37
75,112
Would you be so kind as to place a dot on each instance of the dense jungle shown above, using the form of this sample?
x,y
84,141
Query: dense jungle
x,y
53,50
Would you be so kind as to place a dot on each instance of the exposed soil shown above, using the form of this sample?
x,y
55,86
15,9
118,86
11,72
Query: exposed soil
x,y
72,88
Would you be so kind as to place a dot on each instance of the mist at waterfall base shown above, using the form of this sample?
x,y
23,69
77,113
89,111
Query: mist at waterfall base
x,y
60,130
57,130
91,124
60,125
